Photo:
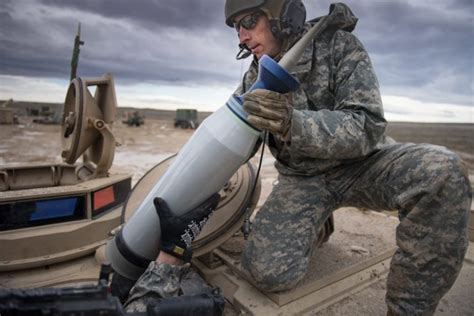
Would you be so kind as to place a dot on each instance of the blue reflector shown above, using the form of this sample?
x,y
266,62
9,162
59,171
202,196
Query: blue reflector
x,y
54,208
19,214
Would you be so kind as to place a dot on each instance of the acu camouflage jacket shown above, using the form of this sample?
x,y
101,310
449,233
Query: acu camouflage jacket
x,y
338,115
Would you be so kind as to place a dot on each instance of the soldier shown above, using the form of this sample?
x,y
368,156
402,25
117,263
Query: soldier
x,y
330,149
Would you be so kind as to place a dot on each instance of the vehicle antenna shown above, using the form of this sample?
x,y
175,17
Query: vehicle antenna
x,y
75,52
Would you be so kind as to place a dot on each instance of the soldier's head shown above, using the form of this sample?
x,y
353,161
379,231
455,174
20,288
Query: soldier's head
x,y
264,25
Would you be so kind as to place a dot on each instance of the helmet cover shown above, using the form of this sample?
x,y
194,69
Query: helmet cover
x,y
286,16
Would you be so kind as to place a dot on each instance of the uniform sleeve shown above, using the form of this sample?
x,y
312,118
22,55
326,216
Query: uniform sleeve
x,y
160,280
355,123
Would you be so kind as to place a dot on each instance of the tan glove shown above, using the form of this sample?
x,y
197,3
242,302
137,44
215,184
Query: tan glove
x,y
269,111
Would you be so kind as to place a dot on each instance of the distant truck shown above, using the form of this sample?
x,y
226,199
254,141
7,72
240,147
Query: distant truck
x,y
186,118
7,113
45,115
134,119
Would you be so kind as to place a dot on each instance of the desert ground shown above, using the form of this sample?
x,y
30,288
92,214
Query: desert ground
x,y
140,148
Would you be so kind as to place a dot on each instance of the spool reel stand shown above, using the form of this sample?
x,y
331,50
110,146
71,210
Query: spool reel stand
x,y
86,129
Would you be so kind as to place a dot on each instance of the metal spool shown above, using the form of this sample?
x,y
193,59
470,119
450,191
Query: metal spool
x,y
229,214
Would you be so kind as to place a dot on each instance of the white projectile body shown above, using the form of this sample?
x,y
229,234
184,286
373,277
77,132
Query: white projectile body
x,y
217,149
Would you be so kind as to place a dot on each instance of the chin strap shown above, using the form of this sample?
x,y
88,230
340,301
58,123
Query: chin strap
x,y
244,52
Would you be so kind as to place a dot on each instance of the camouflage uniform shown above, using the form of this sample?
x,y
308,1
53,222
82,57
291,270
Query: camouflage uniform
x,y
158,281
162,280
338,156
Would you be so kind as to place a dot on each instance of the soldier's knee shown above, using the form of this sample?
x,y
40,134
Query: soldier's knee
x,y
457,178
456,165
453,164
441,164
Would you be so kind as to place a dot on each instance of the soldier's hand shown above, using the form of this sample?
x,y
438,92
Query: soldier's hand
x,y
269,110
178,232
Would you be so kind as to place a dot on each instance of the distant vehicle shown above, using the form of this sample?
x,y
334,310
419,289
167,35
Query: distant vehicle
x,y
45,115
8,116
134,119
186,118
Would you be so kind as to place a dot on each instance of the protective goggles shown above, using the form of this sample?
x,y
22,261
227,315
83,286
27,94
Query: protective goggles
x,y
248,22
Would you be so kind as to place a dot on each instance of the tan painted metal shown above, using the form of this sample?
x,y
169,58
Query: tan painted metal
x,y
27,176
87,123
248,300
336,269
68,273
229,214
28,253
41,245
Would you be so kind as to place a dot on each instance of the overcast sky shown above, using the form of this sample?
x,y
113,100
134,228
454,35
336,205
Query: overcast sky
x,y
179,53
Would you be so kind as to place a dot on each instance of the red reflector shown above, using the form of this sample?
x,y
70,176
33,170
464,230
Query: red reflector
x,y
103,197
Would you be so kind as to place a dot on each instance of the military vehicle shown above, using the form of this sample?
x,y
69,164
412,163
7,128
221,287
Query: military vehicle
x,y
54,213
133,119
56,218
186,118
7,114
45,115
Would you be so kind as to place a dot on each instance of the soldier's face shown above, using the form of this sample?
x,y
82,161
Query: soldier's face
x,y
257,36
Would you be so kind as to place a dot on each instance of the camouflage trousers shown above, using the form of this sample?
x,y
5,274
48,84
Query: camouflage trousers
x,y
425,183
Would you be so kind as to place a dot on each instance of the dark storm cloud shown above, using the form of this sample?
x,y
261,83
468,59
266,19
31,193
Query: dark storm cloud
x,y
425,45
421,49
146,40
182,14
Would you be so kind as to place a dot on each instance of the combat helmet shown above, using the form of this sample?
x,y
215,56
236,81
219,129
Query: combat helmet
x,y
286,16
